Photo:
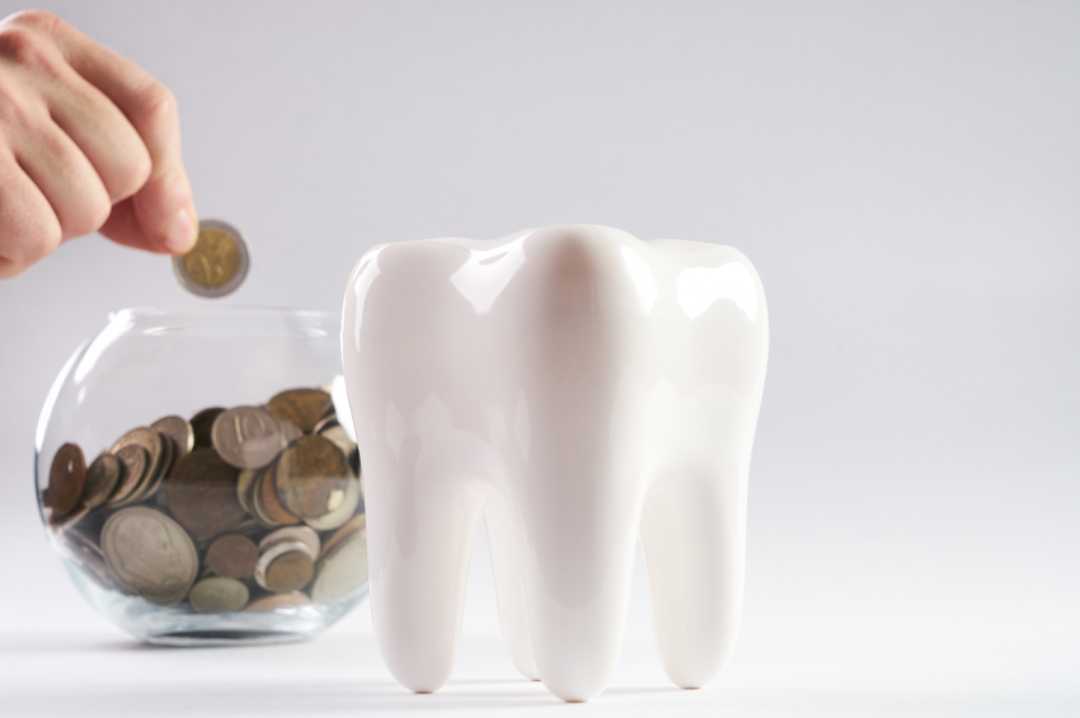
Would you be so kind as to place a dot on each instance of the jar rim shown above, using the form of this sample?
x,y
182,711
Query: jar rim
x,y
226,312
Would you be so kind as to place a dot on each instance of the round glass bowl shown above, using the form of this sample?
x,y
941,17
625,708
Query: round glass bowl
x,y
195,470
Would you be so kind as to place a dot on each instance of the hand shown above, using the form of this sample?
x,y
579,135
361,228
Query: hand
x,y
88,141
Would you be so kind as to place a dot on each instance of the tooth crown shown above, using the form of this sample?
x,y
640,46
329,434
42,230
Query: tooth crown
x,y
576,387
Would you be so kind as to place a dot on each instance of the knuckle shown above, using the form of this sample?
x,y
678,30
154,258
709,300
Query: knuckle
x,y
20,45
36,18
129,176
156,104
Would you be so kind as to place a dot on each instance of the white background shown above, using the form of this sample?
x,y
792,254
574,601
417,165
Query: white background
x,y
904,176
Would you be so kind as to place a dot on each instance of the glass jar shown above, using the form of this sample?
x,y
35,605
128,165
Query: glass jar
x,y
196,472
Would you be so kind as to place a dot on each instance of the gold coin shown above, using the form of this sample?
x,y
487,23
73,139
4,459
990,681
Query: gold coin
x,y
337,517
178,431
217,264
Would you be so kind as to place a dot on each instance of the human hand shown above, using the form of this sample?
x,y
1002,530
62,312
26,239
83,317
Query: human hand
x,y
89,142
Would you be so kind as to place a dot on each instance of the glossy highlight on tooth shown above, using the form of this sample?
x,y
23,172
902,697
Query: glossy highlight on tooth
x,y
579,390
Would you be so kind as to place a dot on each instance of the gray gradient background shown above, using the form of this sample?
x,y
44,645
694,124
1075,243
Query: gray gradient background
x,y
904,176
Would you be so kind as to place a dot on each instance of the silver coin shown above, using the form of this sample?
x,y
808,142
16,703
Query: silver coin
x,y
248,437
218,263
150,554
218,594
342,571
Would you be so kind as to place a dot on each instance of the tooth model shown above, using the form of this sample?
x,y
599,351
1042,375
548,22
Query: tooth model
x,y
577,388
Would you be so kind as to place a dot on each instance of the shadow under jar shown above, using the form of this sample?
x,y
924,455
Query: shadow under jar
x,y
197,474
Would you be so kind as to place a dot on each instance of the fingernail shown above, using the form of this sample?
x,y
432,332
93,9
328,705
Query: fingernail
x,y
180,234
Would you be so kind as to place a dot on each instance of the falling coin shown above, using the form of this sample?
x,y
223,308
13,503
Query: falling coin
x,y
217,264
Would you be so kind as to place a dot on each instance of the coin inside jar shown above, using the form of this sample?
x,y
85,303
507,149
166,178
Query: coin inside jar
x,y
67,480
177,430
218,594
201,494
102,478
311,477
135,461
232,555
218,262
247,437
201,424
285,566
150,554
303,407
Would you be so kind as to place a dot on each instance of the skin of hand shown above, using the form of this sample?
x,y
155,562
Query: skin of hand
x,y
89,142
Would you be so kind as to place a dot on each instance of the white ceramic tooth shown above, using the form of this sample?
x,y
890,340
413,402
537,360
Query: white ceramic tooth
x,y
576,384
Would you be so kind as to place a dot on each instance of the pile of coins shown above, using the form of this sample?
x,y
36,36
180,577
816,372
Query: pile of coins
x,y
249,508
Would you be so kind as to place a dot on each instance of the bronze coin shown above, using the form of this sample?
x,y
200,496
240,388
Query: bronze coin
x,y
218,594
136,463
201,494
303,407
102,478
285,567
232,555
247,437
67,480
148,439
201,424
309,475
268,503
177,430
289,431
168,458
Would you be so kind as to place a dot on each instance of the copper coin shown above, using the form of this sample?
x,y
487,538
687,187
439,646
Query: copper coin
x,y
232,555
337,434
168,457
201,424
177,430
201,493
247,437
67,480
325,423
284,567
136,462
102,478
303,407
310,473
268,503
303,534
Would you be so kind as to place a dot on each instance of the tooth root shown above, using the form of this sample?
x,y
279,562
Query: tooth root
x,y
420,528
581,537
507,553
692,532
